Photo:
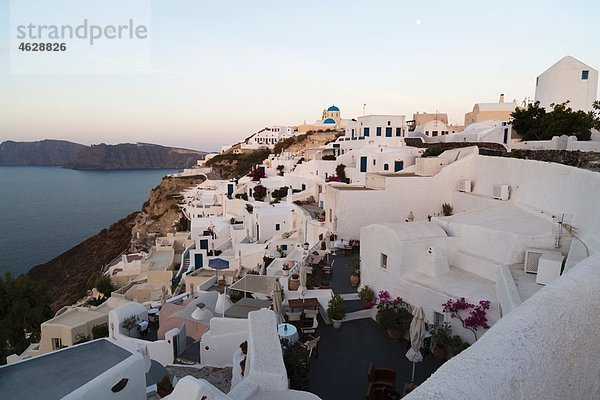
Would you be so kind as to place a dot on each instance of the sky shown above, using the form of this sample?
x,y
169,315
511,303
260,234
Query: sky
x,y
222,70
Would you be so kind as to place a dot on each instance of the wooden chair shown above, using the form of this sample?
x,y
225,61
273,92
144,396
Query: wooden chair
x,y
382,377
310,326
311,314
294,316
312,345
380,393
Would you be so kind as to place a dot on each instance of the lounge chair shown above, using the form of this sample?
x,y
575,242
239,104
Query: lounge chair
x,y
382,377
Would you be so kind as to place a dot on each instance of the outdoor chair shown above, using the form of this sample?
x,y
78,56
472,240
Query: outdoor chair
x,y
382,377
310,326
328,269
309,314
381,393
312,345
294,316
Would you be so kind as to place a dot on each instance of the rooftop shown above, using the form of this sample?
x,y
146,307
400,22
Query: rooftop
x,y
59,373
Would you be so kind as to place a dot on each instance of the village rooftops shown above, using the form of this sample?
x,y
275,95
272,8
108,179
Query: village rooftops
x,y
58,374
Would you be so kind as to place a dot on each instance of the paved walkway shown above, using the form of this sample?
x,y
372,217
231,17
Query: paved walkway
x,y
340,372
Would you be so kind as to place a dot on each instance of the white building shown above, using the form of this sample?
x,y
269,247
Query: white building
x,y
567,80
268,137
378,129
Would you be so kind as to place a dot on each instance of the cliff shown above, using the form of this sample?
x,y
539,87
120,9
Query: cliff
x,y
134,156
42,153
64,278
102,156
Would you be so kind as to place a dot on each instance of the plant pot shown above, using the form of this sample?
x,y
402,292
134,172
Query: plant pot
x,y
354,280
337,323
395,334
366,304
440,353
324,285
293,284
286,272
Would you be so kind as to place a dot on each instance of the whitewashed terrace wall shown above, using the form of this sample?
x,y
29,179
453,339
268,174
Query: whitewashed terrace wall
x,y
545,188
547,348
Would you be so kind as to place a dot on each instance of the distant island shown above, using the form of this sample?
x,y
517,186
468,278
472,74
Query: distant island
x,y
96,157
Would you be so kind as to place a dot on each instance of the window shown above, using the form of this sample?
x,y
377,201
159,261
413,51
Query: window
x,y
389,123
374,162
438,319
388,132
585,74
434,133
57,343
386,167
537,81
330,214
277,227
284,247
378,131
384,261
366,131
398,131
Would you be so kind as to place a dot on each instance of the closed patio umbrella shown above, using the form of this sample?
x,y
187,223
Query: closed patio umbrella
x,y
277,300
417,332
217,264
302,288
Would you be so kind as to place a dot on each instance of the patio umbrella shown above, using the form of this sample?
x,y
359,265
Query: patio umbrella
x,y
302,288
277,300
217,264
417,332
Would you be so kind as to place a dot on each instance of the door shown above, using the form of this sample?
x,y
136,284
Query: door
x,y
229,189
398,166
363,164
203,244
198,260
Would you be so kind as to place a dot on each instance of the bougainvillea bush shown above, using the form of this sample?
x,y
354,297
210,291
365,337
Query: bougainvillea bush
x,y
472,316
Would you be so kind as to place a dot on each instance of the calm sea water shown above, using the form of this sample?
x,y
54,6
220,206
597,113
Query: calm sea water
x,y
45,211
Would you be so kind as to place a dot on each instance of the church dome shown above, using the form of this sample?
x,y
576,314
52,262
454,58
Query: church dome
x,y
329,121
333,109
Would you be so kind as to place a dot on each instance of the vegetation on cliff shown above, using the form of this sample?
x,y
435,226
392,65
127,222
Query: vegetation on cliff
x,y
23,307
236,165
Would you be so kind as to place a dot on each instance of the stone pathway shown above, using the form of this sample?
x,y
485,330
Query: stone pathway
x,y
218,377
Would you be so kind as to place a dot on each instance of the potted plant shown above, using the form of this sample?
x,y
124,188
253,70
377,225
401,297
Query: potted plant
x,y
164,387
129,323
305,245
324,285
393,315
366,295
355,276
294,282
440,341
286,269
336,310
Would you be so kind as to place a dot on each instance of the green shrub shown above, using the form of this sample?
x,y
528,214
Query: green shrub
x,y
100,331
295,358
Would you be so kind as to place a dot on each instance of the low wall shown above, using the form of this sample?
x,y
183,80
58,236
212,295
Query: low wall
x,y
547,348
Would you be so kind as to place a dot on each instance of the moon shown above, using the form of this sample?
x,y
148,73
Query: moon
x,y
418,22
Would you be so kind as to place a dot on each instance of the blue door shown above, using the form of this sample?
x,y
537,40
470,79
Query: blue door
x,y
229,189
388,131
203,244
398,166
366,131
198,260
363,164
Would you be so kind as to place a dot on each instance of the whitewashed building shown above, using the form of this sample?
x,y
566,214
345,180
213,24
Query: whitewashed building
x,y
567,80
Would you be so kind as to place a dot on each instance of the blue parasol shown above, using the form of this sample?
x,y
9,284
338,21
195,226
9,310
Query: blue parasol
x,y
217,264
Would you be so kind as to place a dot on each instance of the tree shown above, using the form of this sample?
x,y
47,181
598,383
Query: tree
x,y
535,123
259,193
340,171
23,307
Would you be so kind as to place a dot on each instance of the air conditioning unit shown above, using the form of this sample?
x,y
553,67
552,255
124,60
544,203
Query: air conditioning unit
x,y
501,192
464,185
532,258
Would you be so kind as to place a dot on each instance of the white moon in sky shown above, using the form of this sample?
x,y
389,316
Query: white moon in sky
x,y
418,22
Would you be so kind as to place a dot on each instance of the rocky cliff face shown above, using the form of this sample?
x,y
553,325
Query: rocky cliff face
x,y
161,214
64,278
42,153
102,156
134,156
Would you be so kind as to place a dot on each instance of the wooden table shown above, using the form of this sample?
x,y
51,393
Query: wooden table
x,y
311,303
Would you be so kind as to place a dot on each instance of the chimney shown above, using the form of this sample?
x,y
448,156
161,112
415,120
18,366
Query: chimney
x,y
501,98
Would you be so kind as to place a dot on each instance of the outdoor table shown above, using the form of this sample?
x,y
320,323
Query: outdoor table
x,y
311,302
288,331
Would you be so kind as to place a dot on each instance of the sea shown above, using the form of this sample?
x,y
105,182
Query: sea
x,y
45,211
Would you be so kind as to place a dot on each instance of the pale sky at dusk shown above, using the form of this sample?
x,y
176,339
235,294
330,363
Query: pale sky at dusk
x,y
224,69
